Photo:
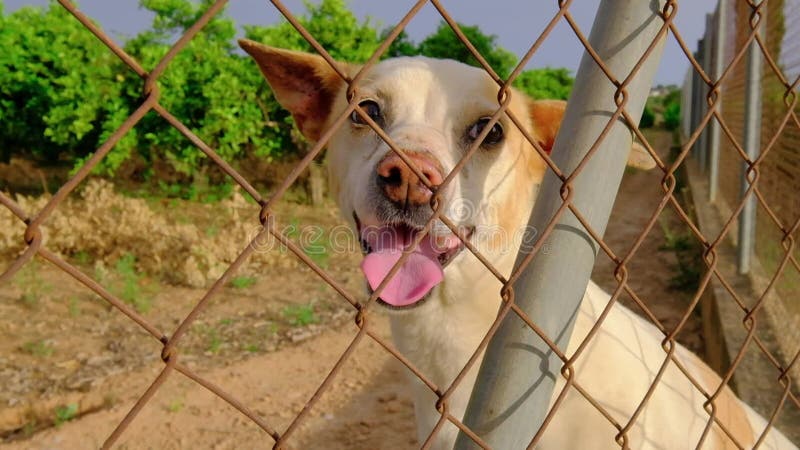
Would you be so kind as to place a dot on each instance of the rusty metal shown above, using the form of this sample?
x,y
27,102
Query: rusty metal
x,y
31,232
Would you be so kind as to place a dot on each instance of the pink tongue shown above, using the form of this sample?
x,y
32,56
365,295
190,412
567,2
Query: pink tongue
x,y
415,278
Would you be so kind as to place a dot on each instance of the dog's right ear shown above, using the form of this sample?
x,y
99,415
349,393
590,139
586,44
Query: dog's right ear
x,y
305,84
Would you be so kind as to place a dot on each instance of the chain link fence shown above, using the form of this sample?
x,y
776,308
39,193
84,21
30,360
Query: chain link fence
x,y
363,306
759,96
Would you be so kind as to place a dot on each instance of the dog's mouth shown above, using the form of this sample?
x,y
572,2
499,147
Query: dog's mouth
x,y
423,269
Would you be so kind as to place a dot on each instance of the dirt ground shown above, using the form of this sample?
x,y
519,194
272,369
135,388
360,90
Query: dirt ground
x,y
72,367
366,407
663,282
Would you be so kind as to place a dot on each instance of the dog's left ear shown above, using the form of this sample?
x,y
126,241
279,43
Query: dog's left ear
x,y
305,84
546,116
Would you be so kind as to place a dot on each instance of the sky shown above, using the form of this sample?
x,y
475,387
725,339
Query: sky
x,y
516,23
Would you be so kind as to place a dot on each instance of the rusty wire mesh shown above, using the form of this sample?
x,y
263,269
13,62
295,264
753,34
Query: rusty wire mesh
x,y
170,353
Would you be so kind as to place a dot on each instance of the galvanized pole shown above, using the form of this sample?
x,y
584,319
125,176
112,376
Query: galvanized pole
x,y
704,63
697,107
518,374
687,99
752,143
714,132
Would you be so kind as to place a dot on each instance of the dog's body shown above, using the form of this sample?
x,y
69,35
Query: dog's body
x,y
444,298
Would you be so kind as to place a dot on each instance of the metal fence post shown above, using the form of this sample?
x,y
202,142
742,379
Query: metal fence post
x,y
697,106
705,62
752,144
687,97
718,50
518,374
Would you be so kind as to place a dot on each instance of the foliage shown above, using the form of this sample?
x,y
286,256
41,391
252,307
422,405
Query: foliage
x,y
332,24
316,246
73,307
402,46
666,108
63,93
300,315
213,340
33,286
199,190
129,285
687,270
206,86
252,348
444,43
175,406
547,83
126,282
65,413
648,118
57,82
242,282
672,116
41,349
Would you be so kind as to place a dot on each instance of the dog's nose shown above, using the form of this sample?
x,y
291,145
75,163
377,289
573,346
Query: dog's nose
x,y
401,185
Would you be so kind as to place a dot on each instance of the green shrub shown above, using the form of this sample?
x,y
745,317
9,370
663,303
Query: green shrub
x,y
648,118
63,93
547,83
59,86
672,116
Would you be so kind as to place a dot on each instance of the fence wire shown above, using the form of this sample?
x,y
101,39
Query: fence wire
x,y
362,315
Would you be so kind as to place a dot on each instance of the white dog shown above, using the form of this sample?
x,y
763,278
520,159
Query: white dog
x,y
443,300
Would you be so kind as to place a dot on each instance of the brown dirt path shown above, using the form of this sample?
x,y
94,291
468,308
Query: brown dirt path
x,y
366,408
652,269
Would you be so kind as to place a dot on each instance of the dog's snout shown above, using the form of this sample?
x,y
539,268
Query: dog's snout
x,y
401,185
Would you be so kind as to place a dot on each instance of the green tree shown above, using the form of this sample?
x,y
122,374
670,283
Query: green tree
x,y
648,118
672,116
668,106
57,85
206,86
444,43
547,83
63,93
332,24
402,46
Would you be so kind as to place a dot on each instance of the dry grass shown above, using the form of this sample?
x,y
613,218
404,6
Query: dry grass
x,y
180,244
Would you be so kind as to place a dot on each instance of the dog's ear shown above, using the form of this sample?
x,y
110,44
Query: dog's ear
x,y
305,84
546,116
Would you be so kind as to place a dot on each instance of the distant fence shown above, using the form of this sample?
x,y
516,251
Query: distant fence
x,y
751,146
780,171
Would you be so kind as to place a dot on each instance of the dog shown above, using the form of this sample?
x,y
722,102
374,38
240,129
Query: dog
x,y
443,300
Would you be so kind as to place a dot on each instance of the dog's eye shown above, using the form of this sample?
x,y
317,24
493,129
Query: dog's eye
x,y
494,136
371,108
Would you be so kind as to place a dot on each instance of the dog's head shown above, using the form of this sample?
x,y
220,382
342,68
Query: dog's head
x,y
434,110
